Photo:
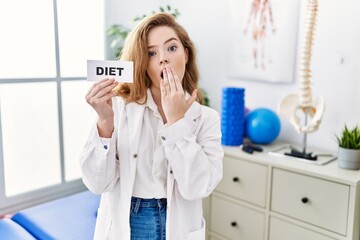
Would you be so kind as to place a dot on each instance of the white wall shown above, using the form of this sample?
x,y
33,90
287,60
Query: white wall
x,y
337,37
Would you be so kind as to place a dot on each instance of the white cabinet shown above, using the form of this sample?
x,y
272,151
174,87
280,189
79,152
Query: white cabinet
x,y
263,197
244,180
235,221
282,230
319,202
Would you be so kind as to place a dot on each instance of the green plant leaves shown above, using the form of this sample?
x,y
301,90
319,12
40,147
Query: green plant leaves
x,y
349,138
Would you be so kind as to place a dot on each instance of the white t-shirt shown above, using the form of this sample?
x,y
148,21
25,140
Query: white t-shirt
x,y
151,169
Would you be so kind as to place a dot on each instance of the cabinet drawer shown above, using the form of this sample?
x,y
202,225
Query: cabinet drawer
x,y
280,230
313,200
236,222
244,180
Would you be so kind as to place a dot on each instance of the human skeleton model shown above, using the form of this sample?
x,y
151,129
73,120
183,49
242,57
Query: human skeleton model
x,y
304,102
258,18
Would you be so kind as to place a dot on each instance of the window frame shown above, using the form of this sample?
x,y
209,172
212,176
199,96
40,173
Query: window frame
x,y
15,203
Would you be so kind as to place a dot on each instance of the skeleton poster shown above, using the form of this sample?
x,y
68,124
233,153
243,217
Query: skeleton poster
x,y
264,39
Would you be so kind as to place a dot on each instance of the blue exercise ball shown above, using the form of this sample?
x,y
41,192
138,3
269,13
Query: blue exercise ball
x,y
262,126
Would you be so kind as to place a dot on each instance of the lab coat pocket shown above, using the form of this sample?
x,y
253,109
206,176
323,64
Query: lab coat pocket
x,y
198,234
103,225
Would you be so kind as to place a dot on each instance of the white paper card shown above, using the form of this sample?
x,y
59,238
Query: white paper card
x,y
121,71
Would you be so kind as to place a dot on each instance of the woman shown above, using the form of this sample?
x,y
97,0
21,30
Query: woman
x,y
155,151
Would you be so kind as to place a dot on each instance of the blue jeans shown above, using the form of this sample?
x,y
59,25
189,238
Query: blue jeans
x,y
148,219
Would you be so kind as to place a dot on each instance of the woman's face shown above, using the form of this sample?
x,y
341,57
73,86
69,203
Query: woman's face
x,y
165,50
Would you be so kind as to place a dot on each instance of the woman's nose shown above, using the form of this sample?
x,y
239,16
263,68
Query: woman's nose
x,y
164,60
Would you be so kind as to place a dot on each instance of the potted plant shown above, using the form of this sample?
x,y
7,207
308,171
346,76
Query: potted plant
x,y
349,148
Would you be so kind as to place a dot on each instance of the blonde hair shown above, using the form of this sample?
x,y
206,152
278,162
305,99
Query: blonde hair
x,y
136,50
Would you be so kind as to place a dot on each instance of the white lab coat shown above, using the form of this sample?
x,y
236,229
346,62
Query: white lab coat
x,y
193,149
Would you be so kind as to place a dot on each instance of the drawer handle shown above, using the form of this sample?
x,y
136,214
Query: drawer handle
x,y
236,179
233,224
304,200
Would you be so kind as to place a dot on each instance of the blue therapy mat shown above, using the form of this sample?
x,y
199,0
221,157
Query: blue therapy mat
x,y
69,218
10,230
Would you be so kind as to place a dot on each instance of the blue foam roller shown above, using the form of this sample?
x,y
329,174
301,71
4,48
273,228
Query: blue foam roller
x,y
232,116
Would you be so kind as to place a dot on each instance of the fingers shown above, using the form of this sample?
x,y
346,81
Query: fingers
x,y
166,82
108,96
95,84
177,81
162,89
171,80
101,88
106,90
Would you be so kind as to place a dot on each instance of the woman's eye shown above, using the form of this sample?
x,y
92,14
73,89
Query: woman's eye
x,y
151,54
172,48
